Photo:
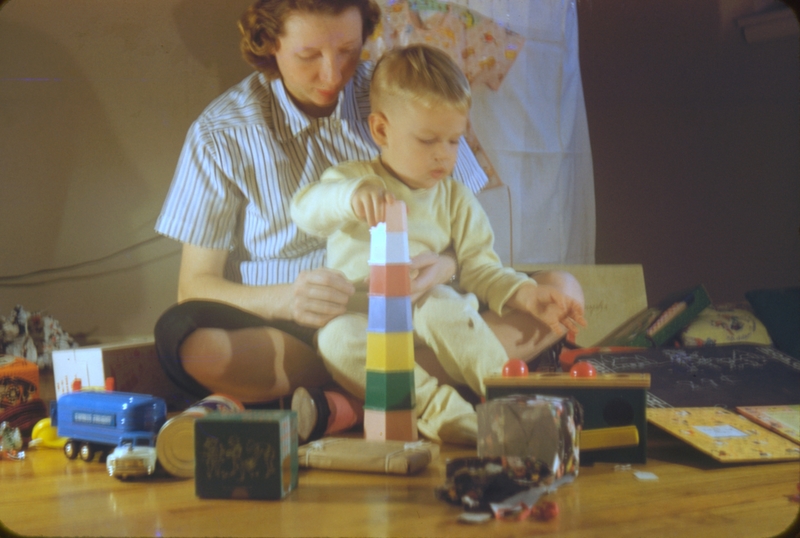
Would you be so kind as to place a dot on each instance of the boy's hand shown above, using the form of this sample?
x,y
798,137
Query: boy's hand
x,y
547,304
369,203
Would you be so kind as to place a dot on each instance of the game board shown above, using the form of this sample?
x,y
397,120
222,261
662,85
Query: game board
x,y
724,435
719,376
782,419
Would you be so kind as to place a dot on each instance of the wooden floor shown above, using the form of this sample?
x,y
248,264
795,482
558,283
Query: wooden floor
x,y
48,495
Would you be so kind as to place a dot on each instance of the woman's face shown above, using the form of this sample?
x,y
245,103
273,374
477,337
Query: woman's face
x,y
316,55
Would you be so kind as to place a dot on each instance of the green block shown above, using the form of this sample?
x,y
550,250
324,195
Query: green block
x,y
390,391
248,455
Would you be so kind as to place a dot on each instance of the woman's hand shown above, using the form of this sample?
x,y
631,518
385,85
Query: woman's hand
x,y
312,300
428,270
318,296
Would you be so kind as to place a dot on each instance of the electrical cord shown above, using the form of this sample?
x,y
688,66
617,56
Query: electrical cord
x,y
11,280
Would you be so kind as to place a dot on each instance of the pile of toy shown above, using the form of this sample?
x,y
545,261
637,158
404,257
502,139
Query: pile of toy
x,y
33,336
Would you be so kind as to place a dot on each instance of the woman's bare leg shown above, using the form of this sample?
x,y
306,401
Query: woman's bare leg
x,y
254,364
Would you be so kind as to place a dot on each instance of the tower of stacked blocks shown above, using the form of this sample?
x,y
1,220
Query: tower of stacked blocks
x,y
390,400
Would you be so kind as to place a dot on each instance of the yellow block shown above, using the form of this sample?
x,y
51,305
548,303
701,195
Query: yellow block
x,y
390,352
600,438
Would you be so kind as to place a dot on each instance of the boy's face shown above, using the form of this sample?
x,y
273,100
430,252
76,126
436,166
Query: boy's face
x,y
418,144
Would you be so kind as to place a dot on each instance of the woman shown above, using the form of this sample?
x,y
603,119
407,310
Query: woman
x,y
252,288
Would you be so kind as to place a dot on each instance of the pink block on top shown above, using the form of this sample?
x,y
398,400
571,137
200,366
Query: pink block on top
x,y
396,217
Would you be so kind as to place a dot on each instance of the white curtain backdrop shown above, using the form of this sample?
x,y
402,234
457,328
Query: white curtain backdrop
x,y
535,133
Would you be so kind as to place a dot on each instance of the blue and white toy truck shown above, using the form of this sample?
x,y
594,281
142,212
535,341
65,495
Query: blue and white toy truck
x,y
99,422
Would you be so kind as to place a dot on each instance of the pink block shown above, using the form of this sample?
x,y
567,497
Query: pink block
x,y
390,425
396,217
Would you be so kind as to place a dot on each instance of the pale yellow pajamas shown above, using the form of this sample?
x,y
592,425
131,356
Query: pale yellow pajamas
x,y
448,323
447,215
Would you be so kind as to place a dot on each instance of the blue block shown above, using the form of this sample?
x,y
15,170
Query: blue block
x,y
389,314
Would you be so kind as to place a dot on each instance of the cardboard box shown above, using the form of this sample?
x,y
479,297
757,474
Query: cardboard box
x,y
612,293
248,455
134,367
390,457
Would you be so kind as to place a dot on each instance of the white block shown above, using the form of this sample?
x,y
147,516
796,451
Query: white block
x,y
387,247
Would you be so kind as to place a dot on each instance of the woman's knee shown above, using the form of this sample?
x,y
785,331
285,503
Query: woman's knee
x,y
206,354
563,281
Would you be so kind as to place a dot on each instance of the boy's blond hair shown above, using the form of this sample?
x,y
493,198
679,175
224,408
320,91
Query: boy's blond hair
x,y
422,74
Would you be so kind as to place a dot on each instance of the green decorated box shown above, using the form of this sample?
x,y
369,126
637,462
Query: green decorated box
x,y
656,326
248,455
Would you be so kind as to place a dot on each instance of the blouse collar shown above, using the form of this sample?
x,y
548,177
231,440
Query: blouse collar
x,y
290,121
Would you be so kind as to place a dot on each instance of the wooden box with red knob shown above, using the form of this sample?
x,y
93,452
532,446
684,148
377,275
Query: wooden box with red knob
x,y
608,400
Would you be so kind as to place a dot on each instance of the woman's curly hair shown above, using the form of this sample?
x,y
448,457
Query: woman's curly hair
x,y
262,24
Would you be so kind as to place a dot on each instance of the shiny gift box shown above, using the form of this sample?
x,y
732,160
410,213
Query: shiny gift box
x,y
532,429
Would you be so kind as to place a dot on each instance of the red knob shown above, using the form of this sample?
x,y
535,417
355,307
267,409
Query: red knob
x,y
515,368
583,369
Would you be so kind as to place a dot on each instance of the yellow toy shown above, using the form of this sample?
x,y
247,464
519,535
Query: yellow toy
x,y
46,436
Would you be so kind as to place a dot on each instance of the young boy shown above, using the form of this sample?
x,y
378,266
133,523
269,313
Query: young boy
x,y
420,103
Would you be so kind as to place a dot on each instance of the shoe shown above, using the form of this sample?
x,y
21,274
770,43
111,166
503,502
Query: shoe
x,y
313,413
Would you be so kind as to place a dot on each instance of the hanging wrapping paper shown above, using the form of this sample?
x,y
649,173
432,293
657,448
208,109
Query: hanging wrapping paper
x,y
483,49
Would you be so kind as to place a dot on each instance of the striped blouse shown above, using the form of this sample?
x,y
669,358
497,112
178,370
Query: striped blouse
x,y
246,156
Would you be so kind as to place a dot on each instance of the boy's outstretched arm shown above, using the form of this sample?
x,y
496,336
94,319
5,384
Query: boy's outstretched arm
x,y
369,203
549,305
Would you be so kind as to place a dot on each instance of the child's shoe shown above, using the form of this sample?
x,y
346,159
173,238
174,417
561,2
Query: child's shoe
x,y
322,413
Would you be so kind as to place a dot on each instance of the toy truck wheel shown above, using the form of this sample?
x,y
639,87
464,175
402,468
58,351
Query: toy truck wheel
x,y
86,452
71,449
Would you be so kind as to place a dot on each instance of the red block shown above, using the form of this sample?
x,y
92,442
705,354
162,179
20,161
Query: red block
x,y
392,280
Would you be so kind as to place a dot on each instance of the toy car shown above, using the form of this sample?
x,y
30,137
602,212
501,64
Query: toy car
x,y
128,461
95,422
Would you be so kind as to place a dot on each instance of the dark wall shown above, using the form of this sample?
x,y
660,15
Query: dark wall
x,y
695,139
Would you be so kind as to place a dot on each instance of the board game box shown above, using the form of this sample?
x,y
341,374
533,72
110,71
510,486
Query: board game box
x,y
782,419
724,435
656,325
